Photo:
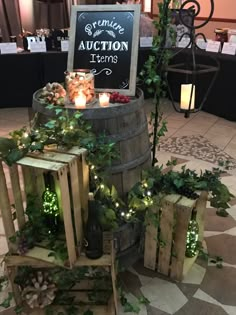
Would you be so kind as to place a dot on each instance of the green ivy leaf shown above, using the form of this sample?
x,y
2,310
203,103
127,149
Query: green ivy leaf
x,y
6,145
58,111
219,265
128,307
143,300
179,182
18,310
52,254
88,312
156,79
78,115
3,280
219,259
50,107
14,156
222,213
51,124
114,193
7,302
37,146
148,81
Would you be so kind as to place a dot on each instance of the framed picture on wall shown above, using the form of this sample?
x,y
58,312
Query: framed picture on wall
x,y
105,39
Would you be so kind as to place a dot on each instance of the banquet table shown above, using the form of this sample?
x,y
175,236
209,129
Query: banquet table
x,y
24,73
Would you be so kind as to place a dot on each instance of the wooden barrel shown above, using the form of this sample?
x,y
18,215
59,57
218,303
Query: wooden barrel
x,y
126,242
125,124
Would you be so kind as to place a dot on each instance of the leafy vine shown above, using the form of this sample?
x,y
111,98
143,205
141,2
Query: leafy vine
x,y
154,74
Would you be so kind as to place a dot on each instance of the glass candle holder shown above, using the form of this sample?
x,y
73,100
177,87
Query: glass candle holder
x,y
104,99
79,80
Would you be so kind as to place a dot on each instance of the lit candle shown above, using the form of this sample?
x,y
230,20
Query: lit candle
x,y
80,100
104,99
185,96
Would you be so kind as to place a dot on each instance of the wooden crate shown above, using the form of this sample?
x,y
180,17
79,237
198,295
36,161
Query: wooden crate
x,y
168,255
70,174
80,291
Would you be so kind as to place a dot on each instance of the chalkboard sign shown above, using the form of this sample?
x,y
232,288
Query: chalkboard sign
x,y
105,39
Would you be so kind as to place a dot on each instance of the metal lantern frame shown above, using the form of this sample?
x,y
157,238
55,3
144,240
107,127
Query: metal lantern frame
x,y
195,69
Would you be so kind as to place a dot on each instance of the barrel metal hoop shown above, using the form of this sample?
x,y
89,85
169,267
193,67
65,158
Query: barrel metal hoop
x,y
127,135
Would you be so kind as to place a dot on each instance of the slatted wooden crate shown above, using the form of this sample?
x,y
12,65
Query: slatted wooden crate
x,y
81,291
167,255
70,175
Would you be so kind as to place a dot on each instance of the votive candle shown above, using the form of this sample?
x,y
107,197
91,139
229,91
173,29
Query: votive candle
x,y
104,99
80,100
186,95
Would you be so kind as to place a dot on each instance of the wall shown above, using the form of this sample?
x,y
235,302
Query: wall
x,y
224,15
223,9
34,14
208,30
27,14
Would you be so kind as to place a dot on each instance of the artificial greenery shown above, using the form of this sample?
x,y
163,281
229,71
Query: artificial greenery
x,y
66,130
65,280
156,184
129,307
3,280
37,230
154,73
7,301
186,182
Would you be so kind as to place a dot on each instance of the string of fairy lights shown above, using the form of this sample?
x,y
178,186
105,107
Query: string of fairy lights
x,y
192,236
192,239
51,205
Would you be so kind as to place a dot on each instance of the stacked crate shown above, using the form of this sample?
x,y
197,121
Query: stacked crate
x,y
71,177
165,242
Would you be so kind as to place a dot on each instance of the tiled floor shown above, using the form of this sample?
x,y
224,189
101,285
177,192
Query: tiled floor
x,y
199,142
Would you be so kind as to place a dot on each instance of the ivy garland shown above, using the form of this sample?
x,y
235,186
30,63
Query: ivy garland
x,y
154,74
186,182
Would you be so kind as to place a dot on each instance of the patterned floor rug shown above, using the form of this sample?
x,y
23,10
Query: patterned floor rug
x,y
197,147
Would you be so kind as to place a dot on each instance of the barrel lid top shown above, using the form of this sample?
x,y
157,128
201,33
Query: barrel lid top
x,y
94,110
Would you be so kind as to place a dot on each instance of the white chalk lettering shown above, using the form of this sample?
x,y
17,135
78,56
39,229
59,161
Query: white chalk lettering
x,y
103,59
93,58
81,46
116,46
104,45
96,45
104,23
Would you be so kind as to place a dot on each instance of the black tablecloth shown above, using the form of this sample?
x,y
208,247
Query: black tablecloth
x,y
22,74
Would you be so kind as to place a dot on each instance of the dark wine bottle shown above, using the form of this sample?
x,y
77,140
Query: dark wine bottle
x,y
93,231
